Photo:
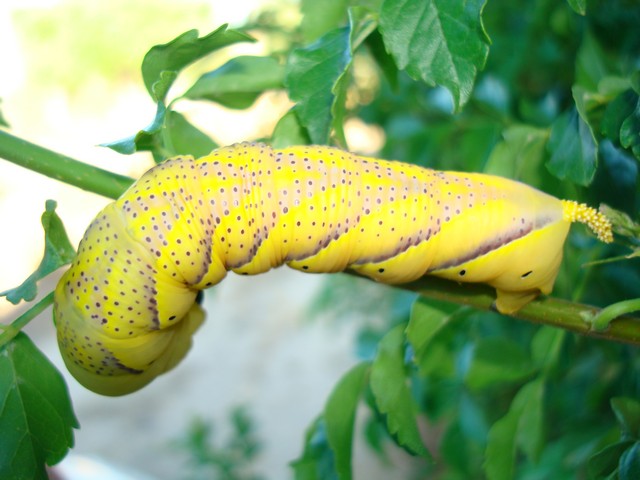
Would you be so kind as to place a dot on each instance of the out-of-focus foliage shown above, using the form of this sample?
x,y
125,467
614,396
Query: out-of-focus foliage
x,y
209,458
544,92
83,56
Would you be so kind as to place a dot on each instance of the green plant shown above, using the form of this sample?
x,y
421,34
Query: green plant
x,y
228,461
553,100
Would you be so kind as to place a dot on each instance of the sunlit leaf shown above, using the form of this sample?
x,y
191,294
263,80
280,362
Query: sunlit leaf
x,y
180,137
317,77
58,251
3,121
441,42
162,63
145,139
312,73
288,132
362,22
322,17
239,82
383,58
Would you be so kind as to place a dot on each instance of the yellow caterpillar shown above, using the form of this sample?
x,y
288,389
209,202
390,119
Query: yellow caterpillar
x,y
125,311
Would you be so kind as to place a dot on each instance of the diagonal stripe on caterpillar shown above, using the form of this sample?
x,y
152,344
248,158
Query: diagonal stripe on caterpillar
x,y
125,311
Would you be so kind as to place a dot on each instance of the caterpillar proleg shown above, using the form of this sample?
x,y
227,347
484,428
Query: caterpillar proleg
x,y
125,311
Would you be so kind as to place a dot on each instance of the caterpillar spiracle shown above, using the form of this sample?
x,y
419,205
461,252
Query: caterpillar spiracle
x,y
125,311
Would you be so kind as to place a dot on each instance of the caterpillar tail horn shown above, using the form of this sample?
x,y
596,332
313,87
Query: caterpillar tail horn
x,y
599,224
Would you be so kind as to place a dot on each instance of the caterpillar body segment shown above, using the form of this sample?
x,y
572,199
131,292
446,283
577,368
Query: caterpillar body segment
x,y
125,310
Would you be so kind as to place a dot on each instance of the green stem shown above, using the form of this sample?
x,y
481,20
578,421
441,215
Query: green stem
x,y
555,312
604,318
61,167
10,331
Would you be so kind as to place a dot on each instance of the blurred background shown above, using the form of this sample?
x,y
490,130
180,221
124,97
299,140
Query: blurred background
x,y
554,100
259,349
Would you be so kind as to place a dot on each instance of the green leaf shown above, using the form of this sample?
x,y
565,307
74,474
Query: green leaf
x,y
311,75
321,17
617,111
36,416
362,22
520,154
591,67
546,347
622,223
288,132
162,63
578,6
530,436
427,318
239,82
630,132
455,448
180,137
317,77
629,468
605,462
3,121
586,103
627,411
340,416
145,139
161,86
317,459
393,398
498,361
58,251
441,42
573,149
382,58
522,425
621,121
501,447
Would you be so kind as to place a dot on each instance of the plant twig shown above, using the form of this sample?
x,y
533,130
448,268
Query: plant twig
x,y
603,319
11,330
61,167
551,311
